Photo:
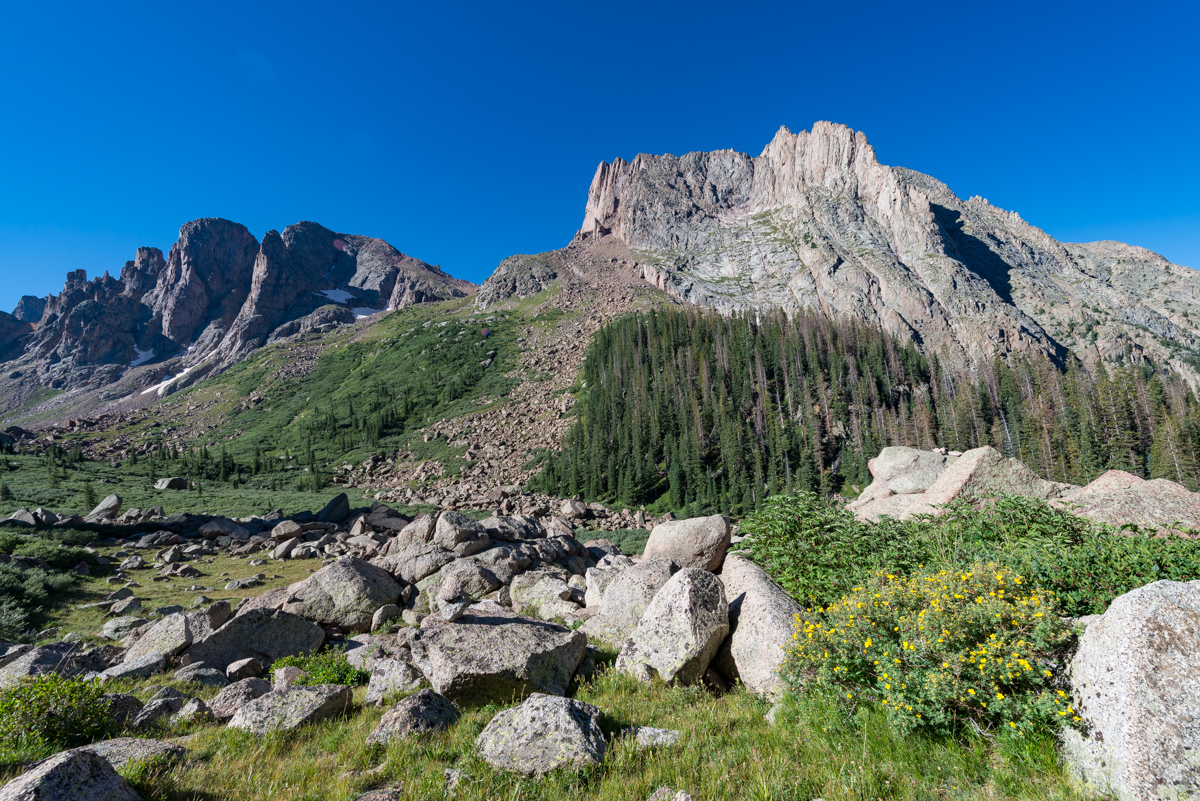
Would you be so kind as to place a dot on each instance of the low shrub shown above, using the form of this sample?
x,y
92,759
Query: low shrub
x,y
941,650
46,714
327,667
817,550
60,557
25,593
630,540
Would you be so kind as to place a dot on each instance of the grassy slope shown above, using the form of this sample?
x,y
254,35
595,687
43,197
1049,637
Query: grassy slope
x,y
409,353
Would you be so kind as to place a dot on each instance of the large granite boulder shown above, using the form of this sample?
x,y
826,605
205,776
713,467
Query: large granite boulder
x,y
761,624
262,634
425,712
292,707
106,510
415,561
70,776
1136,677
681,630
626,599
136,668
230,699
171,635
390,676
345,593
698,542
62,658
492,654
544,733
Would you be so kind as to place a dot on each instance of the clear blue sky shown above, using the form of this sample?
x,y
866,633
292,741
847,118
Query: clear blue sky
x,y
465,132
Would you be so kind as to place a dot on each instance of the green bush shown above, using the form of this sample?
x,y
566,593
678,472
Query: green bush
x,y
630,540
817,550
42,715
328,667
24,593
941,650
61,557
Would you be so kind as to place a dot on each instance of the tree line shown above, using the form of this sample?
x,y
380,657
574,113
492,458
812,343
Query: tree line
x,y
688,410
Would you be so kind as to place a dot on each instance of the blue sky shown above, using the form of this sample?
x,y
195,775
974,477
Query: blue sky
x,y
465,132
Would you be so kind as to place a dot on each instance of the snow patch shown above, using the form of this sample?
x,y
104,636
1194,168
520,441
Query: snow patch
x,y
337,295
143,356
362,311
161,387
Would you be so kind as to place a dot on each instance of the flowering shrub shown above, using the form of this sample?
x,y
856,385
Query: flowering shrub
x,y
940,650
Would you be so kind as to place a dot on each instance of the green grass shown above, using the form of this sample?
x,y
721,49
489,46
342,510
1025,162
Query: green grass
x,y
727,751
216,572
30,485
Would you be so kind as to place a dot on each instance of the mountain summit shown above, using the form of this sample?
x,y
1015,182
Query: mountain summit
x,y
217,296
816,222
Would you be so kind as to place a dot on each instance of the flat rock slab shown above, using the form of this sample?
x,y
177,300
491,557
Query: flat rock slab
x,y
425,712
492,654
77,775
544,733
123,750
292,707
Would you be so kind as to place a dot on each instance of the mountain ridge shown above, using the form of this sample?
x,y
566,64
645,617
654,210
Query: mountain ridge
x,y
217,296
816,221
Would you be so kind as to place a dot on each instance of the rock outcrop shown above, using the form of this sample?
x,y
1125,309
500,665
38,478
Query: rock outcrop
x,y
1119,498
816,222
908,482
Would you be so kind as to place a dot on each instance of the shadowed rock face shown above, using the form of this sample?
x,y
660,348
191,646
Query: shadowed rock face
x,y
816,222
217,296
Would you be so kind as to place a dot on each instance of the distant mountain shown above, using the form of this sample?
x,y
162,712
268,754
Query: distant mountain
x,y
816,222
217,296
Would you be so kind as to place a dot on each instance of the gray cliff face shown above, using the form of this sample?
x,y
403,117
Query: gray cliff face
x,y
218,295
29,309
308,267
816,222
